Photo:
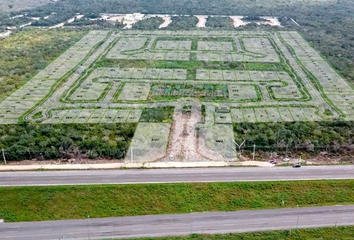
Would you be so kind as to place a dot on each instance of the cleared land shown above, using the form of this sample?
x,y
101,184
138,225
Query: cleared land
x,y
251,76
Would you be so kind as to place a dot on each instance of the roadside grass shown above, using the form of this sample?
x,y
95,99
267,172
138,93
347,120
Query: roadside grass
x,y
97,201
300,234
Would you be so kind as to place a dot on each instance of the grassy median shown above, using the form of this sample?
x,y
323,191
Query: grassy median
x,y
74,202
301,234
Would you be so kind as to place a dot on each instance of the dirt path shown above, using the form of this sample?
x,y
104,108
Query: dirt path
x,y
202,21
184,140
167,21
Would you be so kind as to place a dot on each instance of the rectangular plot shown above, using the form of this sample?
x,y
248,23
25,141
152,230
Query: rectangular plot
x,y
149,142
135,92
96,116
183,57
180,74
214,57
226,57
222,117
9,116
91,92
270,75
261,115
237,115
297,114
56,116
273,114
256,75
40,83
243,75
122,116
229,75
8,120
152,73
285,114
171,56
125,73
17,104
310,114
166,73
83,116
134,116
173,45
111,72
109,116
139,73
202,74
71,116
249,115
202,57
242,92
159,56
237,57
216,75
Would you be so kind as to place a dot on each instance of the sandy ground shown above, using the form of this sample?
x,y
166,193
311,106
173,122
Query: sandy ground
x,y
167,21
68,21
183,140
237,21
272,21
26,24
5,34
202,21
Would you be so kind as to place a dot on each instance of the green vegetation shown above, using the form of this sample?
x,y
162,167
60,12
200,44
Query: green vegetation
x,y
183,22
16,5
148,24
163,114
190,65
338,233
74,202
219,22
334,137
44,141
25,53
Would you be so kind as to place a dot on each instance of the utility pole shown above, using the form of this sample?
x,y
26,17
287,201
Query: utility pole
x,y
298,216
254,150
131,154
239,146
3,155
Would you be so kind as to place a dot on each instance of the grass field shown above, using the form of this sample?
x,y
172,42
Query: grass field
x,y
301,234
74,202
18,5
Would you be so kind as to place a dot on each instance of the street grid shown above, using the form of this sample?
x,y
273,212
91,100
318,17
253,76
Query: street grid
x,y
91,83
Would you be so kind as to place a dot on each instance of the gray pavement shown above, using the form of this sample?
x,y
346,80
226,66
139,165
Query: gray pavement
x,y
180,224
90,177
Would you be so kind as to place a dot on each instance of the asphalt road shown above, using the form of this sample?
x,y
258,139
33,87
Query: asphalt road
x,y
90,177
180,224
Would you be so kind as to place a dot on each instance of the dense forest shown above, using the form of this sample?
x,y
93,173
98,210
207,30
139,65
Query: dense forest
x,y
27,141
25,53
334,138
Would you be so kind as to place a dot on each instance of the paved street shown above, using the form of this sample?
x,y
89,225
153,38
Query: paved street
x,y
38,178
180,224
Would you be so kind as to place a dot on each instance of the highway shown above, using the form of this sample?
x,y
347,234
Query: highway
x,y
180,224
133,176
